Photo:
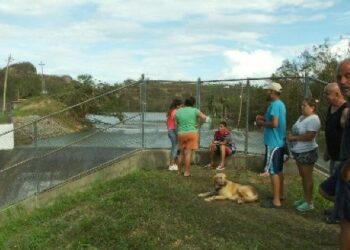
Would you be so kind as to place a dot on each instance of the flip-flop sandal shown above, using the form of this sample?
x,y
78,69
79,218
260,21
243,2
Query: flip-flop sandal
x,y
282,198
269,204
208,166
220,168
187,175
265,174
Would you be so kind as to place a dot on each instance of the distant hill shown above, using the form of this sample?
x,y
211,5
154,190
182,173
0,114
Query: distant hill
x,y
24,81
23,67
222,101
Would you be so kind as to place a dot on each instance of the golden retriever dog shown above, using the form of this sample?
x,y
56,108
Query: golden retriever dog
x,y
225,189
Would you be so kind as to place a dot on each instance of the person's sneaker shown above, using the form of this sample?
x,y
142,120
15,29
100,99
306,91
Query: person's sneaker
x,y
298,202
304,207
173,167
332,220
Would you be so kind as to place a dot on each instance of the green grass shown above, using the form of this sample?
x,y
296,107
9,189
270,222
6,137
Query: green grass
x,y
157,209
44,105
40,105
3,118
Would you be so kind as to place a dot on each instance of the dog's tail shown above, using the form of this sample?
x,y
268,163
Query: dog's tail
x,y
250,194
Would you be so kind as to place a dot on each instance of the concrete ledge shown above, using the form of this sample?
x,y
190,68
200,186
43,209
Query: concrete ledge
x,y
78,183
121,166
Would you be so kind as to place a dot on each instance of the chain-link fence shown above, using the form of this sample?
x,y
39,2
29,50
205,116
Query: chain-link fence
x,y
237,101
53,148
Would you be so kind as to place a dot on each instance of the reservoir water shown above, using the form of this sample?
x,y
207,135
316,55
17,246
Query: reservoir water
x,y
129,134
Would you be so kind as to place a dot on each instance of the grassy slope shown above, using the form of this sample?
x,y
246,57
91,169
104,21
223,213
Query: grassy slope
x,y
44,105
157,209
40,105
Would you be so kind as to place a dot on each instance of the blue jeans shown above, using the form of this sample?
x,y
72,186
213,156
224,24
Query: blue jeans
x,y
172,134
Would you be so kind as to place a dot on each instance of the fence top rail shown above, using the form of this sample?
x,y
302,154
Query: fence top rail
x,y
317,80
163,81
69,108
253,79
172,81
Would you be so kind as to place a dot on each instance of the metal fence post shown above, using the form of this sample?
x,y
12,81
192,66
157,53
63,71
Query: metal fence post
x,y
35,140
198,93
246,141
198,97
306,85
142,109
35,134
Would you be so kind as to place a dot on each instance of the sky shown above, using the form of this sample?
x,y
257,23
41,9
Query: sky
x,y
115,40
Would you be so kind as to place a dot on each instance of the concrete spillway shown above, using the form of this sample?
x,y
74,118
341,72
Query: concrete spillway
x,y
38,173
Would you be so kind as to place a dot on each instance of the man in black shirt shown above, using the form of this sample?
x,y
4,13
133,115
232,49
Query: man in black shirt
x,y
335,121
342,201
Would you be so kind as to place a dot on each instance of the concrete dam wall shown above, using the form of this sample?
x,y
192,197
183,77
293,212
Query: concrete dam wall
x,y
38,173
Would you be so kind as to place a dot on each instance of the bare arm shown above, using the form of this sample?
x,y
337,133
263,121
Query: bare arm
x,y
326,156
344,116
201,120
266,124
202,117
345,171
308,136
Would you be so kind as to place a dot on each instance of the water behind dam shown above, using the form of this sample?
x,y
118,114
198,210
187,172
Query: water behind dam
x,y
129,134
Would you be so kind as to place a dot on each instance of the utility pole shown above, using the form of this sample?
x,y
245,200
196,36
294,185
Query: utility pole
x,y
43,87
9,59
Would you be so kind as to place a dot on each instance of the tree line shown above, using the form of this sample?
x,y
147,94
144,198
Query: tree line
x,y
227,100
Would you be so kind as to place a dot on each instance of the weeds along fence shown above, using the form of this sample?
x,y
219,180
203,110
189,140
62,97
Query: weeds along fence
x,y
52,148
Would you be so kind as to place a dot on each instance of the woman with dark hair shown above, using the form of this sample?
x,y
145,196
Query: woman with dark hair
x,y
188,118
305,150
172,132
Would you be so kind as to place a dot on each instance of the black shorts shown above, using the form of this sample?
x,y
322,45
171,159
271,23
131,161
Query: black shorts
x,y
307,158
274,160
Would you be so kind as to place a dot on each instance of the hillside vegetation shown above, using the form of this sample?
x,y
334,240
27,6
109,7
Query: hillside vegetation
x,y
227,100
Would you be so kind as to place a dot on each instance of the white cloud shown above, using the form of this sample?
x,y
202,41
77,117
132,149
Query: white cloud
x,y
153,10
164,39
36,7
258,63
341,48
